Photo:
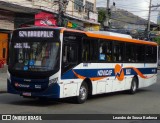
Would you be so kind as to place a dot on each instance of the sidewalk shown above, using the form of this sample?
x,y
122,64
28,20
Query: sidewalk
x,y
3,79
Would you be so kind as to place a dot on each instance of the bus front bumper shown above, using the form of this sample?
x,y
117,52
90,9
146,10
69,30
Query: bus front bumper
x,y
53,91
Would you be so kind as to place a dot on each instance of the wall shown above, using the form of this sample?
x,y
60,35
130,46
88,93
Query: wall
x,y
7,20
3,46
82,14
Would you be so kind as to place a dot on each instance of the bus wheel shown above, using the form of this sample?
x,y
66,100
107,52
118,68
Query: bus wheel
x,y
134,86
83,93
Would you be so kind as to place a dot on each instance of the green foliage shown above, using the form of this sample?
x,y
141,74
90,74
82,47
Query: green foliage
x,y
101,16
157,39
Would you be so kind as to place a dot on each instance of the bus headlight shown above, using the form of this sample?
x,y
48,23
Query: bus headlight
x,y
53,81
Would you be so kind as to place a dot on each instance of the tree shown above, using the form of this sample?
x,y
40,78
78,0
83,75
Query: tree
x,y
157,39
101,16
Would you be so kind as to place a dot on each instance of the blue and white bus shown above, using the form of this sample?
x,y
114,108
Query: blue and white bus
x,y
59,63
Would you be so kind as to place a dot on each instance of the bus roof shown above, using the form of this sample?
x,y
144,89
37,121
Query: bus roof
x,y
112,36
99,34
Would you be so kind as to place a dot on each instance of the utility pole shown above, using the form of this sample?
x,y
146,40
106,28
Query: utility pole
x,y
62,9
60,13
149,15
106,23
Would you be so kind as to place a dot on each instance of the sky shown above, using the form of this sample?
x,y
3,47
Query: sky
x,y
137,7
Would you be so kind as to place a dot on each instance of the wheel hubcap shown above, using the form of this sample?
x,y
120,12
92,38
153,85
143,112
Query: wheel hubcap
x,y
83,93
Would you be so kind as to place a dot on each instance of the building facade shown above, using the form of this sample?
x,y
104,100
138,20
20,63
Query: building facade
x,y
6,25
79,13
9,12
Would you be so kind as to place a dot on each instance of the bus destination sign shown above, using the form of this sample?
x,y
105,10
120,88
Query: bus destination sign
x,y
36,34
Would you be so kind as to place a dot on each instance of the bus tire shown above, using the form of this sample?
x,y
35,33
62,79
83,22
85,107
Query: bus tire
x,y
134,86
83,93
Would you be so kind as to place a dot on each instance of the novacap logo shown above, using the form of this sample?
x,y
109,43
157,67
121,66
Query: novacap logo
x,y
119,73
21,85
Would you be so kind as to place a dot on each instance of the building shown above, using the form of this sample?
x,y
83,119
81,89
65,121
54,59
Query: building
x,y
6,25
9,12
80,14
85,12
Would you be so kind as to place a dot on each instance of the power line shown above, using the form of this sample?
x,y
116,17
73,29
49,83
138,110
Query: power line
x,y
142,10
130,4
146,1
158,5
137,8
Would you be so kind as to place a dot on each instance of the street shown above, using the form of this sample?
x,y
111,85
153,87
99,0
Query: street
x,y
145,101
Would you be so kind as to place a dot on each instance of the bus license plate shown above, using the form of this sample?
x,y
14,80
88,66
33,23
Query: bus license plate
x,y
26,94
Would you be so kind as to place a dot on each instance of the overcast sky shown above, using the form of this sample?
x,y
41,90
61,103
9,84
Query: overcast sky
x,y
137,7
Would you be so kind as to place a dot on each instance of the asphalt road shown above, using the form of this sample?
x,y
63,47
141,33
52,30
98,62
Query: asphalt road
x,y
145,101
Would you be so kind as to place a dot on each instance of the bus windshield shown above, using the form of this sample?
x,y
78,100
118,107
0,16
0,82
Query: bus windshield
x,y
34,56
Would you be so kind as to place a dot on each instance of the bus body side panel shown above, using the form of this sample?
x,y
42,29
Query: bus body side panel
x,y
105,77
70,83
146,73
130,73
151,77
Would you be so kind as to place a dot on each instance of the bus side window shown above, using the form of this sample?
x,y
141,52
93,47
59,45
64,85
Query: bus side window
x,y
69,54
89,50
109,51
86,50
102,55
65,54
85,53
140,52
105,51
154,54
118,51
130,52
150,54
